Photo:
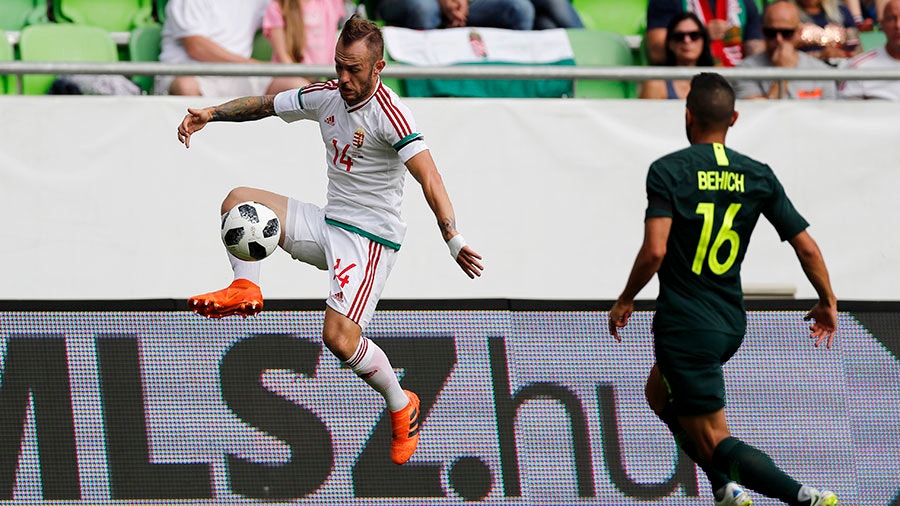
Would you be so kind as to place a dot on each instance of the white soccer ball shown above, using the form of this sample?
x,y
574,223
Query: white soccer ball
x,y
250,231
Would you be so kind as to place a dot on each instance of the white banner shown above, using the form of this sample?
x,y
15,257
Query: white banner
x,y
102,202
450,46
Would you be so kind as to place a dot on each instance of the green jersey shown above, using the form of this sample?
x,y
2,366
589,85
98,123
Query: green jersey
x,y
714,196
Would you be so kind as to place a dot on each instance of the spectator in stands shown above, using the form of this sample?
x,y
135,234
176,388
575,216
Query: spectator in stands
x,y
687,45
781,29
211,31
555,14
886,57
733,27
864,14
827,30
431,14
303,31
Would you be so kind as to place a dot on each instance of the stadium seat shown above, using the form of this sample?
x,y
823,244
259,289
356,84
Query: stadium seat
x,y
872,40
7,83
159,10
16,14
111,15
599,48
262,48
144,45
56,42
625,17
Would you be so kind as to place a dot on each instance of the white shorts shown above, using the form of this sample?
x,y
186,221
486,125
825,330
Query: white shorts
x,y
219,86
357,267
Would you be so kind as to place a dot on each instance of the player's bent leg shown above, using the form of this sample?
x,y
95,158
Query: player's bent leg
x,y
242,297
340,334
725,491
759,472
273,201
706,431
365,358
656,392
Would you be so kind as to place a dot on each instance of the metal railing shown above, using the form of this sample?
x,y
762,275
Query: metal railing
x,y
516,72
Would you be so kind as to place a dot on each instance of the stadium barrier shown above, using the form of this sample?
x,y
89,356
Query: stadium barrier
x,y
109,205
523,402
541,72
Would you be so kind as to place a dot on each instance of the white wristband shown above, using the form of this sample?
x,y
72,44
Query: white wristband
x,y
456,244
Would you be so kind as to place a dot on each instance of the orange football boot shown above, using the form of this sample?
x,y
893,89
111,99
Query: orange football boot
x,y
242,297
405,430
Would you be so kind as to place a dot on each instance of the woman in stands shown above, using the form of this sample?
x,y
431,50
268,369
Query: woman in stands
x,y
303,31
687,45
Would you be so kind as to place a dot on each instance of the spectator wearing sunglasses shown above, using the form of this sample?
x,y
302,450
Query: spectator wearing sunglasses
x,y
781,23
687,45
733,27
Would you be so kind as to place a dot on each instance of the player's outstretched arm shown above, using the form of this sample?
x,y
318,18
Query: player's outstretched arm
x,y
423,168
239,109
824,314
649,258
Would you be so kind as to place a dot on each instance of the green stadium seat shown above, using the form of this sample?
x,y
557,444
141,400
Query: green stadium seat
x,y
144,45
625,17
872,40
7,83
600,48
111,15
55,42
262,48
159,10
16,14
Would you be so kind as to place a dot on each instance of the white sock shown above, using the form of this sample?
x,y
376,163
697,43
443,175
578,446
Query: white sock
x,y
371,364
806,493
244,269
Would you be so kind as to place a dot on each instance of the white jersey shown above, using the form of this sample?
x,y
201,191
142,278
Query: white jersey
x,y
877,58
366,147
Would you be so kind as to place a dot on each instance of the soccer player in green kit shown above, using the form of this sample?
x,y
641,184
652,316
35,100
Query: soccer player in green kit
x,y
703,203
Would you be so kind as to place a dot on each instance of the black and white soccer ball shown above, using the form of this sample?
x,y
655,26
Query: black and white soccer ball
x,y
250,231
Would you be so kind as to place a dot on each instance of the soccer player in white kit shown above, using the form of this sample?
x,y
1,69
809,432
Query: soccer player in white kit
x,y
371,140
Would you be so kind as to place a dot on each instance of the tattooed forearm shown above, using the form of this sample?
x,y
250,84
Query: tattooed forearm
x,y
245,109
448,227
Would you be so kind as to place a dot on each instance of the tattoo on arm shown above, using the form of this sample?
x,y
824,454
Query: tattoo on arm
x,y
447,226
245,109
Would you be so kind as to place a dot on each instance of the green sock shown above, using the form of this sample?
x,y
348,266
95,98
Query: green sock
x,y
716,478
754,469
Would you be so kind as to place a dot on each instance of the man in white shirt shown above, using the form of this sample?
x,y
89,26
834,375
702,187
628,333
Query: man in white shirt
x,y
370,142
215,31
886,57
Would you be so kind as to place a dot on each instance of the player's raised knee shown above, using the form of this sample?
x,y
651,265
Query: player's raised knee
x,y
236,196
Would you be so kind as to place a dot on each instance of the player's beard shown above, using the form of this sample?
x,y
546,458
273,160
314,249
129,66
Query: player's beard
x,y
366,90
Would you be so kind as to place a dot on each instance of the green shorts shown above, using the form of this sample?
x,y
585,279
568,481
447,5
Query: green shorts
x,y
691,367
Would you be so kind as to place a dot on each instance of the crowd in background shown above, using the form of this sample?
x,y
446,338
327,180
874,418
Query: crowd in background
x,y
805,34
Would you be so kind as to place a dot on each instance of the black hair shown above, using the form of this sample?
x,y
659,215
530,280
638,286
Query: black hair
x,y
706,58
711,101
